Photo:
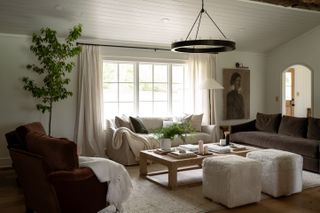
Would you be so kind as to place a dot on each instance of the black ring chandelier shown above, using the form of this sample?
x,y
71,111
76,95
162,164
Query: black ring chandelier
x,y
203,45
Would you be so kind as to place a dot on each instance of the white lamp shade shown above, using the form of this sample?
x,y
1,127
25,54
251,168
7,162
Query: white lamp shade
x,y
211,84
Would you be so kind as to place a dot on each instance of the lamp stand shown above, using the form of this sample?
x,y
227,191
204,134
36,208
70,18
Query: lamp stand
x,y
210,104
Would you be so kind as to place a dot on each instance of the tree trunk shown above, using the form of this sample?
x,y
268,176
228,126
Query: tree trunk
x,y
50,116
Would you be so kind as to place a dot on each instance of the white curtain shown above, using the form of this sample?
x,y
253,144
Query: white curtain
x,y
89,133
201,67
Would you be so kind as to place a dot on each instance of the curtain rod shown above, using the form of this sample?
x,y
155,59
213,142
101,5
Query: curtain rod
x,y
123,46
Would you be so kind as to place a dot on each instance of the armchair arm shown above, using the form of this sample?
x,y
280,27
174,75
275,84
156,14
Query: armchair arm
x,y
248,126
79,190
209,129
80,174
124,154
109,135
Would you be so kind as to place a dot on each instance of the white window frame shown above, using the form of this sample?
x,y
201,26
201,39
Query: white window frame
x,y
136,62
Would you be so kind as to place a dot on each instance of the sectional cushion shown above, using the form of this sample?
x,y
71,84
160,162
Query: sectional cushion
x,y
302,146
293,126
138,126
313,128
268,122
58,153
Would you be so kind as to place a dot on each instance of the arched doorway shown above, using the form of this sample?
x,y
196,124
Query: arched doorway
x,y
297,91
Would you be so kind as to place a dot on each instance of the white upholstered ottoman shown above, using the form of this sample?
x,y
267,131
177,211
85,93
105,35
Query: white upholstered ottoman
x,y
281,171
232,180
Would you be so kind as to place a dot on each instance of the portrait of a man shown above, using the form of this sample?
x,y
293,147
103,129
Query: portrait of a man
x,y
236,93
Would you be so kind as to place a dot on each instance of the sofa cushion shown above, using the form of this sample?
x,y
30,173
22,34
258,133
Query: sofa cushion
x,y
167,123
58,153
154,123
196,121
122,122
302,146
268,122
137,125
313,128
293,126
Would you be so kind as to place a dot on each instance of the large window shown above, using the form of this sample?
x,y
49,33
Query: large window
x,y
143,88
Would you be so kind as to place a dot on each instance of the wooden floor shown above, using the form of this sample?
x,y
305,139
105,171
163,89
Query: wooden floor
x,y
307,201
11,200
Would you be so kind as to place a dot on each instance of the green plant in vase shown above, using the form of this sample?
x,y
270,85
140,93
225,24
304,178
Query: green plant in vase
x,y
54,62
166,134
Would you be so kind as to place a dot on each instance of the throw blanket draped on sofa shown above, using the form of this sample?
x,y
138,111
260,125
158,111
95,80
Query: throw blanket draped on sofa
x,y
135,141
115,174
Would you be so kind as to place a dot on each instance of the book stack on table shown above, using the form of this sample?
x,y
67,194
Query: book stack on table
x,y
177,154
218,149
189,147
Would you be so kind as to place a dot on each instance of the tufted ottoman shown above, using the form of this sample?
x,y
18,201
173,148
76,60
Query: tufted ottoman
x,y
281,171
232,180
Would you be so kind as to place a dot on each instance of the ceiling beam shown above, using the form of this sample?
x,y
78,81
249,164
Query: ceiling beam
x,y
300,4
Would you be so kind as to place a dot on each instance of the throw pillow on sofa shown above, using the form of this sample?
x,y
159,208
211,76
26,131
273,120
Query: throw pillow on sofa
x,y
313,128
194,120
122,122
293,126
268,122
138,126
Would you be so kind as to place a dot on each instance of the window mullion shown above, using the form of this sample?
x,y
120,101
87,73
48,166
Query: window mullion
x,y
184,88
169,83
152,88
118,90
136,90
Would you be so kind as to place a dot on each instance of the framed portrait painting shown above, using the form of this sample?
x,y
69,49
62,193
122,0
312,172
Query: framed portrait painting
x,y
236,95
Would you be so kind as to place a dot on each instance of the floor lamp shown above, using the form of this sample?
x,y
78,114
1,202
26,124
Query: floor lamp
x,y
211,84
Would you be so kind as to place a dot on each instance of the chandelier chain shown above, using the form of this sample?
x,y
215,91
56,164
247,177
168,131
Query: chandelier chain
x,y
193,25
216,25
198,25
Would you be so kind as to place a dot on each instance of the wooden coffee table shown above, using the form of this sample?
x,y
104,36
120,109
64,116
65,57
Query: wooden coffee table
x,y
175,165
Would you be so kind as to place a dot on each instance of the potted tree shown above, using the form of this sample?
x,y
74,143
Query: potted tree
x,y
166,134
54,63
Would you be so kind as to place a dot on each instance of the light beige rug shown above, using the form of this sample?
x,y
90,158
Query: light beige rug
x,y
150,197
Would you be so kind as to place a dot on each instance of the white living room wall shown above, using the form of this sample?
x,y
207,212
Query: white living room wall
x,y
18,106
303,50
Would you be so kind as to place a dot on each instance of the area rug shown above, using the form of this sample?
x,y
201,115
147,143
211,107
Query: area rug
x,y
150,197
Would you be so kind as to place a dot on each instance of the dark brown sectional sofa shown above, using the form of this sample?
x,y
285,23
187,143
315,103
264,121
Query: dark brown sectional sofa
x,y
297,135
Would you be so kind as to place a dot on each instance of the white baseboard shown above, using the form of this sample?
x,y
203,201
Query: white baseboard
x,y
5,162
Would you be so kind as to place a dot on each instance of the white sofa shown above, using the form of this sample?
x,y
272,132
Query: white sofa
x,y
125,156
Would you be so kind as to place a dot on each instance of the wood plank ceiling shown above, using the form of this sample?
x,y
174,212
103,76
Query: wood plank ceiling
x,y
301,4
254,26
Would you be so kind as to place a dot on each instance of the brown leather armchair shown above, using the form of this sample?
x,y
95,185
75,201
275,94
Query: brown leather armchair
x,y
49,173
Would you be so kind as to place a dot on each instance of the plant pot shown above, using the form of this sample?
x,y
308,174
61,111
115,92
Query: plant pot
x,y
165,144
